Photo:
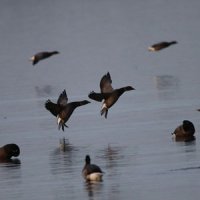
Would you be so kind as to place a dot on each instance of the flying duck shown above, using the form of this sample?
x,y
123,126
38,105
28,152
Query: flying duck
x,y
62,109
42,55
108,94
9,150
184,132
90,171
161,45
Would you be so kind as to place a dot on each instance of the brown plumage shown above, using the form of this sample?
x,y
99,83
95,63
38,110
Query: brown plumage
x,y
185,131
108,94
9,150
42,55
62,109
161,45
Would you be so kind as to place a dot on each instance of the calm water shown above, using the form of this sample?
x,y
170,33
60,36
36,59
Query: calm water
x,y
133,146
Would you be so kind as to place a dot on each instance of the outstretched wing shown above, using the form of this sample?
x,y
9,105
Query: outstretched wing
x,y
105,84
52,107
62,99
96,96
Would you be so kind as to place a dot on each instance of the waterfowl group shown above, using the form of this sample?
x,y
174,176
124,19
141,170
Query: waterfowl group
x,y
161,45
8,151
185,131
108,94
62,109
42,55
91,172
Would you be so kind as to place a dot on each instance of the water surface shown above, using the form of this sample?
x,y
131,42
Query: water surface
x,y
133,146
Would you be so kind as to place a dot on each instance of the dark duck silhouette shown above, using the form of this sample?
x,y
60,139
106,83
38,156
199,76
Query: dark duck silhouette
x,y
185,131
9,150
108,94
91,172
42,55
161,45
62,109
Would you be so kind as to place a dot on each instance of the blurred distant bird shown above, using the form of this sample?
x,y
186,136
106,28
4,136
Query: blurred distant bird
x,y
161,45
198,110
185,131
62,109
108,94
91,172
42,55
9,150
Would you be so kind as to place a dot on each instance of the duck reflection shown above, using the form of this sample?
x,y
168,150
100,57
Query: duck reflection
x,y
62,158
93,188
166,82
11,162
43,91
112,154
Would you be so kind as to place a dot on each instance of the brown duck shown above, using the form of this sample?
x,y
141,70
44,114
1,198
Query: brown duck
x,y
9,150
108,94
62,109
42,55
161,45
91,172
185,131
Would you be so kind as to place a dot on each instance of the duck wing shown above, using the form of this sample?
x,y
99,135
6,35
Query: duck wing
x,y
62,99
92,168
53,108
105,84
96,96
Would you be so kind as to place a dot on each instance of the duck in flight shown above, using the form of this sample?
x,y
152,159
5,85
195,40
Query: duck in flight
x,y
62,109
108,94
42,55
161,45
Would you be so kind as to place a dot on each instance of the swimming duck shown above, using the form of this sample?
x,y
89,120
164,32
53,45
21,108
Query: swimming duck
x,y
107,93
42,55
161,45
91,172
9,150
185,132
62,109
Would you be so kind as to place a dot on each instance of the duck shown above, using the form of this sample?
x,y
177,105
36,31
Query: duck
x,y
91,172
161,45
108,94
185,131
8,151
62,109
42,55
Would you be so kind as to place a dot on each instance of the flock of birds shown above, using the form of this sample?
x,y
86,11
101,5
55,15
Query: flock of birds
x,y
63,109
